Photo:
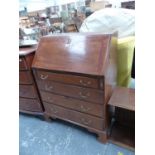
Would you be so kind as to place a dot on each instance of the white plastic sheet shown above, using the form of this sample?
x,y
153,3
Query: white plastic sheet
x,y
110,20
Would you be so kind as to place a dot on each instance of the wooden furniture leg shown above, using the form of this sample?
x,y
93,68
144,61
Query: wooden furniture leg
x,y
102,137
47,117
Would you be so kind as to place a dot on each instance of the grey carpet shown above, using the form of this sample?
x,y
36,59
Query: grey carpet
x,y
38,137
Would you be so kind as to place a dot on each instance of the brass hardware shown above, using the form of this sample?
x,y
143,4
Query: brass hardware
x,y
85,83
49,99
48,87
54,111
84,109
86,122
43,77
84,95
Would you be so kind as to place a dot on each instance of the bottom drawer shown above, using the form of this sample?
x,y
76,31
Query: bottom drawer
x,y
74,116
29,105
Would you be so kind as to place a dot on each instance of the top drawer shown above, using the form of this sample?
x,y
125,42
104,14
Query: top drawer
x,y
22,64
70,79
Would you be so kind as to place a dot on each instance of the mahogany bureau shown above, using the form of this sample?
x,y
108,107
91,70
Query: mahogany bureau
x,y
75,74
29,101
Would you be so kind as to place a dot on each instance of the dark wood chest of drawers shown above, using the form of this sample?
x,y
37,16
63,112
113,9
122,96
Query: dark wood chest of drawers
x,y
75,74
29,101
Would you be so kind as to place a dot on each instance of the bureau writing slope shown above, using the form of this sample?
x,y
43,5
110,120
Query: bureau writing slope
x,y
75,74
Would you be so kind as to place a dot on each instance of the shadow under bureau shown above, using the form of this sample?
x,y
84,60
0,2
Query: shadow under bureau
x,y
75,74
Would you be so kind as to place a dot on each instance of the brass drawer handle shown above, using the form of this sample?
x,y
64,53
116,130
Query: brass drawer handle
x,y
84,95
86,122
84,109
54,110
49,99
48,87
85,83
43,77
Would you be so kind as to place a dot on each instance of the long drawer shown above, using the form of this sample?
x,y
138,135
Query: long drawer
x,y
74,116
27,91
25,77
29,104
82,106
70,79
86,94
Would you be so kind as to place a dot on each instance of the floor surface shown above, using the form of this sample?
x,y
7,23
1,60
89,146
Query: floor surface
x,y
38,137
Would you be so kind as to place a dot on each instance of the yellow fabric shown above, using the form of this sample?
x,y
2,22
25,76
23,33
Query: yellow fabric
x,y
125,51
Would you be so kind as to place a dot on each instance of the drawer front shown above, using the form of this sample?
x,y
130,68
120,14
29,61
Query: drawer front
x,y
27,91
22,64
82,106
74,116
81,93
69,79
30,105
25,77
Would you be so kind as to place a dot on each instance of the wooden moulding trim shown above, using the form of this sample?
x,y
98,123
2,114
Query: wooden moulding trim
x,y
31,112
88,128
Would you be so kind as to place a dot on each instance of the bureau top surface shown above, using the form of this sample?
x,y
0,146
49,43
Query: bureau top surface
x,y
124,98
27,50
76,53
